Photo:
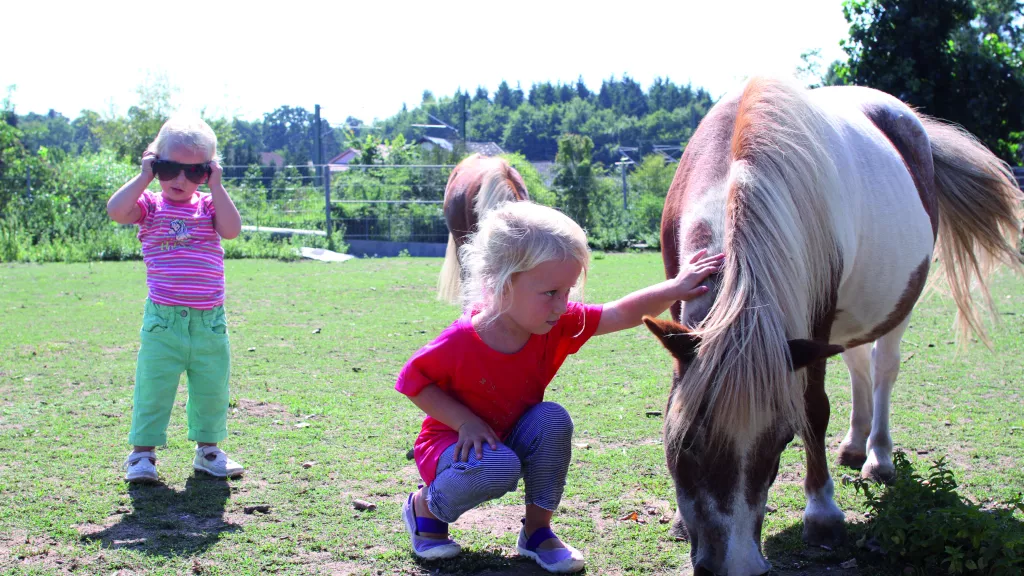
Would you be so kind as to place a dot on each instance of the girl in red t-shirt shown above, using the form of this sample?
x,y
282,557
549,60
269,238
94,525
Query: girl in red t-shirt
x,y
481,382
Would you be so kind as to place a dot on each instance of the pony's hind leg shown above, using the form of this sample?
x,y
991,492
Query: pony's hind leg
x,y
853,450
885,364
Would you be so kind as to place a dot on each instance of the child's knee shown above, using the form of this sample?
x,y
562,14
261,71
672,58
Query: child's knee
x,y
556,419
502,470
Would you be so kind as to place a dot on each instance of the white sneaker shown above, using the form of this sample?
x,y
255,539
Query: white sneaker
x,y
141,467
215,462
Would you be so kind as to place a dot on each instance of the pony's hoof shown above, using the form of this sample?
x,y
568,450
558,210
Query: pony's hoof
x,y
678,528
851,458
878,472
828,533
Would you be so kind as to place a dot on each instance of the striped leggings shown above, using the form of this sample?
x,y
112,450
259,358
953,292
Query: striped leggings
x,y
538,450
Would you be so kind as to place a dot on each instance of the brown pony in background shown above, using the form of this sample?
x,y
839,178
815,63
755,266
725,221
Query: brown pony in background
x,y
478,184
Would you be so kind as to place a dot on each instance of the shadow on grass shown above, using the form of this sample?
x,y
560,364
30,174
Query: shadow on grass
x,y
790,556
485,563
166,522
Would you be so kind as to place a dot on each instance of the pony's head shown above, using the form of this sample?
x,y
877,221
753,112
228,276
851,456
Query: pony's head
x,y
723,469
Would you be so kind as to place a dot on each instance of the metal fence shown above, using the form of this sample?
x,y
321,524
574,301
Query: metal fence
x,y
401,203
398,203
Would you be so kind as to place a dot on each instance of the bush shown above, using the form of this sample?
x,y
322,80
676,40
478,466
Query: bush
x,y
925,523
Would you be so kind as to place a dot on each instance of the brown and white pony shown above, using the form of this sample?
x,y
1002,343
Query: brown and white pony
x,y
829,205
477,185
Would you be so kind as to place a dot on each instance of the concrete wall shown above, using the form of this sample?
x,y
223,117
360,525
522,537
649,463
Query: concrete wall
x,y
384,249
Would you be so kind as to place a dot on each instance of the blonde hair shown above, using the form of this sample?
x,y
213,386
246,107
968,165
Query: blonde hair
x,y
516,237
188,131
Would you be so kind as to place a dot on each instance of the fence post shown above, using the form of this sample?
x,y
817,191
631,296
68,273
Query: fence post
x,y
327,199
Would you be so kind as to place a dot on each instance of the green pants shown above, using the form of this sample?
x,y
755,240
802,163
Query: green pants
x,y
178,339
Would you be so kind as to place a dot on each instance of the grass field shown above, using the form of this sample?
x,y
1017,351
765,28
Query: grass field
x,y
315,419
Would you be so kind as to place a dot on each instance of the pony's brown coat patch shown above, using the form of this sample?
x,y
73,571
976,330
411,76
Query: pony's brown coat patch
x,y
704,164
911,142
903,306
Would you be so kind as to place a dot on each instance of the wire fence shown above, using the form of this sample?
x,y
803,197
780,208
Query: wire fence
x,y
401,203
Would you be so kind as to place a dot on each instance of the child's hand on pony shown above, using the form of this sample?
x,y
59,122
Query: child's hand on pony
x,y
688,282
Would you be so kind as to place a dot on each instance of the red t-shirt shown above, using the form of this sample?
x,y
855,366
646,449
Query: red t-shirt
x,y
497,387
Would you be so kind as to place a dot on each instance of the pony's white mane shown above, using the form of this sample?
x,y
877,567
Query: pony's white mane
x,y
781,268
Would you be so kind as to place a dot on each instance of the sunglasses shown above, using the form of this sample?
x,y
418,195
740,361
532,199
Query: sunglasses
x,y
167,170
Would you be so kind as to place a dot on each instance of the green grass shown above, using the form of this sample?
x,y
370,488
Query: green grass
x,y
70,334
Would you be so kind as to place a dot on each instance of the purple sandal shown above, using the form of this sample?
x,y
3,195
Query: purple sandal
x,y
559,560
427,548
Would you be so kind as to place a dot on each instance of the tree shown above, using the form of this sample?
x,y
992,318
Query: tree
x,y
648,185
531,130
944,59
581,89
542,94
575,179
86,131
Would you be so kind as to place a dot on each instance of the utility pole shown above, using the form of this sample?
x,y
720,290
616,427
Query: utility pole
x,y
625,189
319,151
624,161
465,136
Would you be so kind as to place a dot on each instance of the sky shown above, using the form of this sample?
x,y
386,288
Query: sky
x,y
365,59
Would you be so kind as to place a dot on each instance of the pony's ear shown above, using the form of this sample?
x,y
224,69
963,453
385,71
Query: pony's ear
x,y
675,337
803,353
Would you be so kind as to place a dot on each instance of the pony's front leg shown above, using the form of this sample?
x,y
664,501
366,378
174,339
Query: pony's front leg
x,y
853,449
885,364
824,522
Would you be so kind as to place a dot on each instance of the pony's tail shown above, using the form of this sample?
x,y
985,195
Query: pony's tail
x,y
979,218
449,284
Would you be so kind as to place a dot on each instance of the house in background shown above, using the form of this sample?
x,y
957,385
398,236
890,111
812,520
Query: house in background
x,y
271,159
546,169
340,162
484,148
430,143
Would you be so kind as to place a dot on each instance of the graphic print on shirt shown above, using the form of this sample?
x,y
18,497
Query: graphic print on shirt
x,y
182,236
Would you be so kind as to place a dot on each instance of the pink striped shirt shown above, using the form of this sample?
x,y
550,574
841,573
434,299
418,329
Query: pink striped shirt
x,y
182,251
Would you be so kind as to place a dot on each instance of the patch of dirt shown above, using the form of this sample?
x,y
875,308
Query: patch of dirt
x,y
114,350
593,444
813,562
18,548
493,520
259,409
789,477
324,563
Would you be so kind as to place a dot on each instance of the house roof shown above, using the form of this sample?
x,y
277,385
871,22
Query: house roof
x,y
484,148
345,157
439,142
271,158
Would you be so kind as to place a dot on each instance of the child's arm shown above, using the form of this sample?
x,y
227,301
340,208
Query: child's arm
x,y
123,206
629,310
473,431
226,220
